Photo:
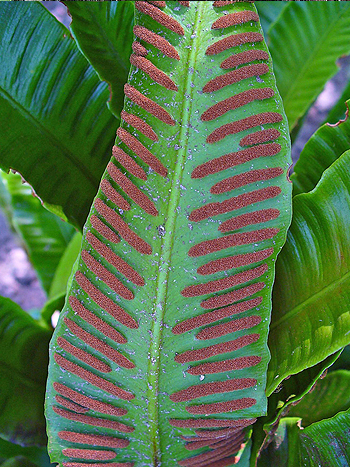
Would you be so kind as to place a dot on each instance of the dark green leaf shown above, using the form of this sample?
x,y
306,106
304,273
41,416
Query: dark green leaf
x,y
330,396
170,217
311,298
23,369
19,461
56,129
44,235
305,42
319,153
37,455
269,12
103,31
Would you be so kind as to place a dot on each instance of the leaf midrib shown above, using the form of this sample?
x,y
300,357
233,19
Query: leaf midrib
x,y
312,298
166,247
89,176
306,64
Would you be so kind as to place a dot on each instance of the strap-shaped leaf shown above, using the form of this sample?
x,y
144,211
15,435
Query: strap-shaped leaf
x,y
312,288
160,355
23,369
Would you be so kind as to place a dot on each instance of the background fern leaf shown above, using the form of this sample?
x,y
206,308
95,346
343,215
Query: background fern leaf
x,y
149,363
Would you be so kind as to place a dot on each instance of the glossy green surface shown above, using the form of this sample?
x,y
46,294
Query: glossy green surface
x,y
103,31
23,369
56,129
305,43
311,298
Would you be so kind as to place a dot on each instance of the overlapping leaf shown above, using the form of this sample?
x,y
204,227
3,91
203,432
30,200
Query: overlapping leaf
x,y
305,43
311,297
103,31
23,368
56,129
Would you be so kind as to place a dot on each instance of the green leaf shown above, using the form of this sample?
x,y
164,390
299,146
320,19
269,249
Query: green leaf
x,y
343,362
338,112
305,43
44,235
173,154
330,396
269,12
65,266
310,318
56,129
37,455
325,443
103,31
19,461
290,391
319,153
23,368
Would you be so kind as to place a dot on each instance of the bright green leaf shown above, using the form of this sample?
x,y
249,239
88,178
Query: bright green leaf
x,y
330,396
311,299
56,129
103,31
269,12
319,153
305,43
23,369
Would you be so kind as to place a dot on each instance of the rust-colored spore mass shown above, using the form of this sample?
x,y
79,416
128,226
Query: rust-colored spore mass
x,y
258,137
232,297
160,17
207,389
225,283
110,464
95,321
232,19
233,41
83,356
243,58
252,218
89,454
157,41
242,125
88,402
158,3
70,405
93,379
224,365
235,76
252,176
229,327
230,262
114,196
93,421
106,276
147,104
103,230
105,302
216,315
94,440
98,345
141,151
244,238
231,204
236,101
235,158
128,163
115,260
209,423
139,49
131,190
153,72
221,407
122,228
139,125
216,349
185,3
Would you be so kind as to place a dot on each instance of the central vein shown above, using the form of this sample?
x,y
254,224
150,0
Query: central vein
x,y
167,243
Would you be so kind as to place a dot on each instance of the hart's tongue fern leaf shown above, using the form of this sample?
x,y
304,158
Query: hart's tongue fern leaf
x,y
160,354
